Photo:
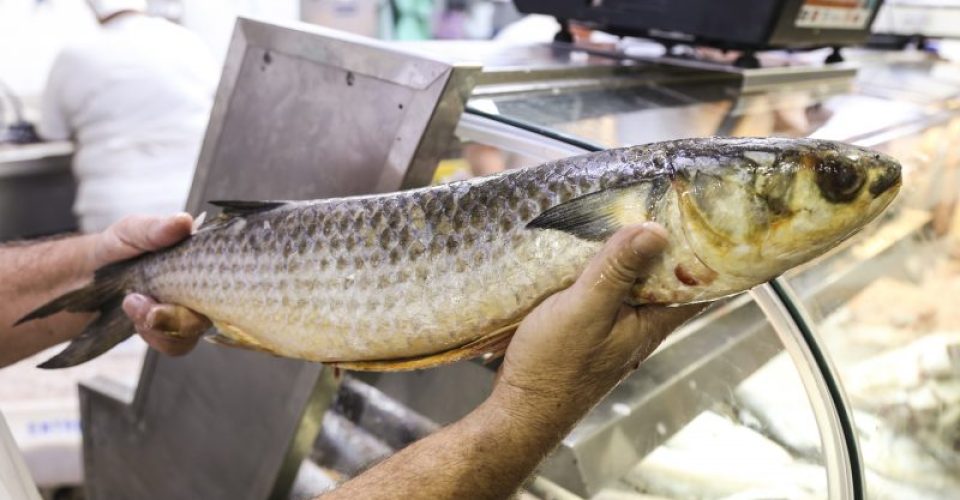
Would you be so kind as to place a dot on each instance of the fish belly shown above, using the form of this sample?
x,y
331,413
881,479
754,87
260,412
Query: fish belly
x,y
411,307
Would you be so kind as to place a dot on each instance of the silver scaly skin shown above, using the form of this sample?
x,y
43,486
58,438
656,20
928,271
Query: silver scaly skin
x,y
424,272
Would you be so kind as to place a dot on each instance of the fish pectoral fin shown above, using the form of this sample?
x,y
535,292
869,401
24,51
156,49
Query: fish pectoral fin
x,y
232,336
593,217
494,344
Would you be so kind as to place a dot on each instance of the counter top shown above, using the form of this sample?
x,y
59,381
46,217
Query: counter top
x,y
10,153
42,157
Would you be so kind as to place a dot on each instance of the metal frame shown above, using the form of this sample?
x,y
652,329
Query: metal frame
x,y
841,454
475,127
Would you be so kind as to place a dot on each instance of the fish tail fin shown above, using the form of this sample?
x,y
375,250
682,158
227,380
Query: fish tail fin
x,y
111,328
105,296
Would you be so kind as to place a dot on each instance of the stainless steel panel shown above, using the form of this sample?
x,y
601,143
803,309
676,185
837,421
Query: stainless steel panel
x,y
301,112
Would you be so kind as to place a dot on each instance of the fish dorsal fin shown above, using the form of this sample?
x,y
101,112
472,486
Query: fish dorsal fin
x,y
233,210
594,216
240,208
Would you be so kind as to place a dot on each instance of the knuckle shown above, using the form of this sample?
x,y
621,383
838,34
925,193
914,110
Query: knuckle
x,y
619,271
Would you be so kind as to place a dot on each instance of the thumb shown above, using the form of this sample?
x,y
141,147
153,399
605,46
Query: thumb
x,y
137,234
627,257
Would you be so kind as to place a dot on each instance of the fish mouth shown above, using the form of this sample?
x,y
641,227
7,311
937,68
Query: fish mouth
x,y
889,181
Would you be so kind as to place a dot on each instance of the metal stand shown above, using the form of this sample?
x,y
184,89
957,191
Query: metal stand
x,y
564,35
834,57
748,60
227,423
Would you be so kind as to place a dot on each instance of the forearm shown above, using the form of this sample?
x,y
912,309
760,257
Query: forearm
x,y
32,274
487,454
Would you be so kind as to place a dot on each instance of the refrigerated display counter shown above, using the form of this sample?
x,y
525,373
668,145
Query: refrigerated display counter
x,y
839,380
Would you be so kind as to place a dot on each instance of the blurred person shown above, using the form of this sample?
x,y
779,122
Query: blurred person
x,y
413,19
484,159
135,98
540,28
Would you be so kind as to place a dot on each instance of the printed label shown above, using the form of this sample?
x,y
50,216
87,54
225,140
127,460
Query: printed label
x,y
837,14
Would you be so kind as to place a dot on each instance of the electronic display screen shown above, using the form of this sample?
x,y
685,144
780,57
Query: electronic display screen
x,y
835,14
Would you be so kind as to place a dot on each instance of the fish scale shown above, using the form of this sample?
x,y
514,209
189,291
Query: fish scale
x,y
428,276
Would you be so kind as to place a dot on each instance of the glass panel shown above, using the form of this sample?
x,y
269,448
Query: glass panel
x,y
885,305
465,159
613,117
646,113
734,421
925,82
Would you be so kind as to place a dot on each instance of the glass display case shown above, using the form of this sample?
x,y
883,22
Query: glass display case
x,y
839,380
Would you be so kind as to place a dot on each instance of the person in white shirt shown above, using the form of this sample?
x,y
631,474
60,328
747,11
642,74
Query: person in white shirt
x,y
135,98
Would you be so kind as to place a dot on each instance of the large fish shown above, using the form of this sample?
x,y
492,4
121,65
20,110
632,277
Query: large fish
x,y
424,277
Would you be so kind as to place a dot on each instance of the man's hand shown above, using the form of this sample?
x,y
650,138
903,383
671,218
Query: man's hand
x,y
172,330
579,343
566,355
34,273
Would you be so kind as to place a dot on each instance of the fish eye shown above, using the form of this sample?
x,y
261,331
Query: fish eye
x,y
839,181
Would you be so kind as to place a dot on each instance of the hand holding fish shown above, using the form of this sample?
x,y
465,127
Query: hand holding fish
x,y
34,272
579,343
565,356
171,330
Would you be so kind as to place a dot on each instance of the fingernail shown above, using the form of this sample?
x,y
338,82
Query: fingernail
x,y
649,241
183,218
158,328
656,229
137,303
151,320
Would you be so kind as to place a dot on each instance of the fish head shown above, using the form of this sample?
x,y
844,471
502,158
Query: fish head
x,y
755,208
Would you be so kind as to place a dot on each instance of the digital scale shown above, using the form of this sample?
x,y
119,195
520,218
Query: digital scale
x,y
744,25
